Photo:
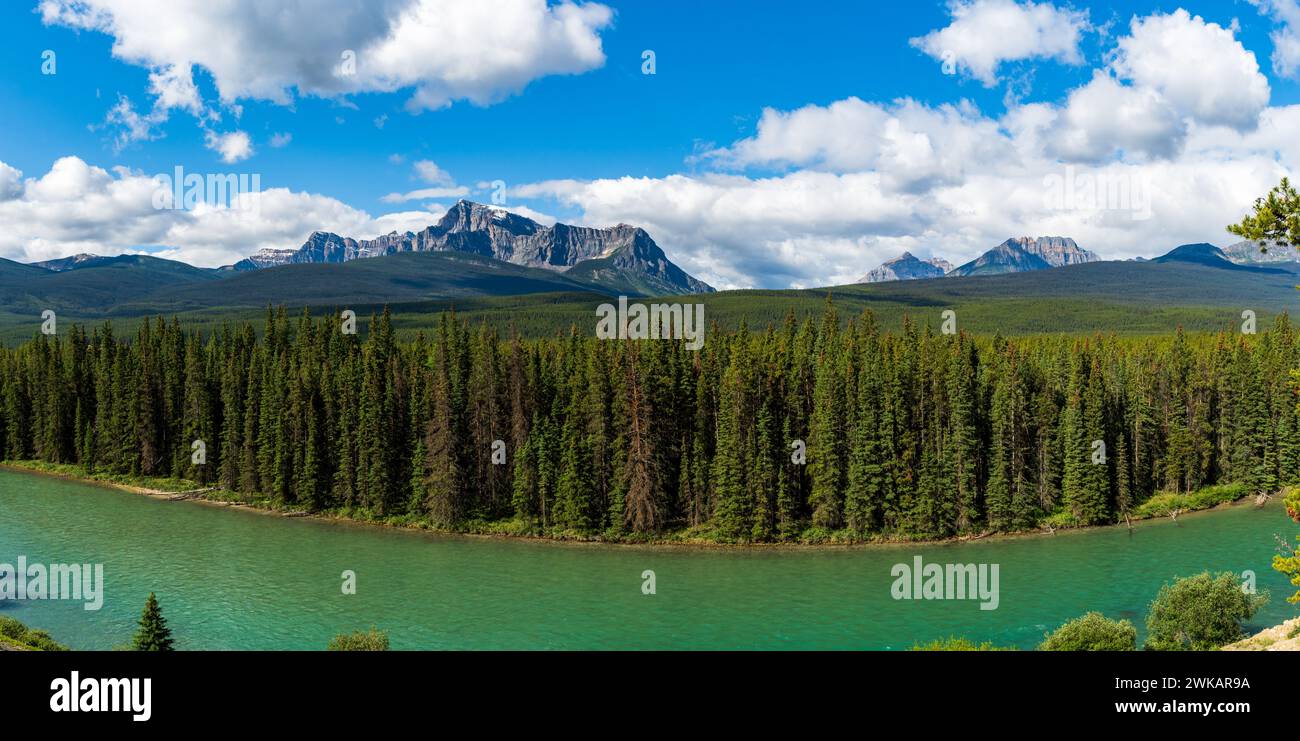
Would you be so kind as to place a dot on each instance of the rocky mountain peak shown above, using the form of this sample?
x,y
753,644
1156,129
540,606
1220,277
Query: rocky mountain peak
x,y
1055,251
494,232
907,267
1023,254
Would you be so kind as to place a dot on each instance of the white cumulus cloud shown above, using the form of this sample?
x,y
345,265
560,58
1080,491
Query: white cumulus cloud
x,y
439,50
422,194
909,142
78,207
430,172
1286,37
985,33
234,146
11,182
1198,66
1105,117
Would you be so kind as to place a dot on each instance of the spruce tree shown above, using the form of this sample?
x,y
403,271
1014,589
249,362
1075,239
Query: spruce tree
x,y
153,634
827,441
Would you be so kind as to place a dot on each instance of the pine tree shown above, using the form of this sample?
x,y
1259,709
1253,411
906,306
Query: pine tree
x,y
153,634
643,469
827,442
734,506
962,441
442,493
869,457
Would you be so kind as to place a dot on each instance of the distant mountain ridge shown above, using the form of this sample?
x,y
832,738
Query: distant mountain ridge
x,y
1016,255
628,256
1192,277
1250,253
1208,255
1200,253
907,267
1022,254
72,262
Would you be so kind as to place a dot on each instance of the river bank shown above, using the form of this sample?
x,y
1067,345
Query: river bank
x,y
171,489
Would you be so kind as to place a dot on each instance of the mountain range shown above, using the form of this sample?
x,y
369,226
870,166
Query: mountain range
x,y
1016,255
517,273
622,258
1026,254
1192,286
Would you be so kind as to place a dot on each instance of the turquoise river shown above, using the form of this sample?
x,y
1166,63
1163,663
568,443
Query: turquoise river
x,y
229,578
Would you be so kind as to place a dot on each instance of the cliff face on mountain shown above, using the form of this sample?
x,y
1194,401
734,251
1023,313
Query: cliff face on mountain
x,y
621,254
1022,254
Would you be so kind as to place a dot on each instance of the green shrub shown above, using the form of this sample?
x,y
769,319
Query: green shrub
x,y
953,643
367,640
1092,632
1290,564
11,628
1200,613
41,640
20,634
1213,496
1060,519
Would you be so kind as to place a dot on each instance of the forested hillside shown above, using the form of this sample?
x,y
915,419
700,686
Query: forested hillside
x,y
908,433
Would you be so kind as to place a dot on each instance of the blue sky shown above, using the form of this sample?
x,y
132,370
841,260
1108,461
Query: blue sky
x,y
585,137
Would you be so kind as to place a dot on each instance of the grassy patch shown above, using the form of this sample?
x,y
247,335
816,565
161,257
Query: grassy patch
x,y
1059,520
1162,504
73,471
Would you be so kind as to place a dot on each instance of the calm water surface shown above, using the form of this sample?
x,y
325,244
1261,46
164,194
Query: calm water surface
x,y
233,579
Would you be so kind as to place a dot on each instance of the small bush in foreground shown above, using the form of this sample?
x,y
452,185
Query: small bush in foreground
x,y
21,635
1092,632
953,643
367,640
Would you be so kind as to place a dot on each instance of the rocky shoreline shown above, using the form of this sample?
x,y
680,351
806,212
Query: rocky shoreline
x,y
1284,637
